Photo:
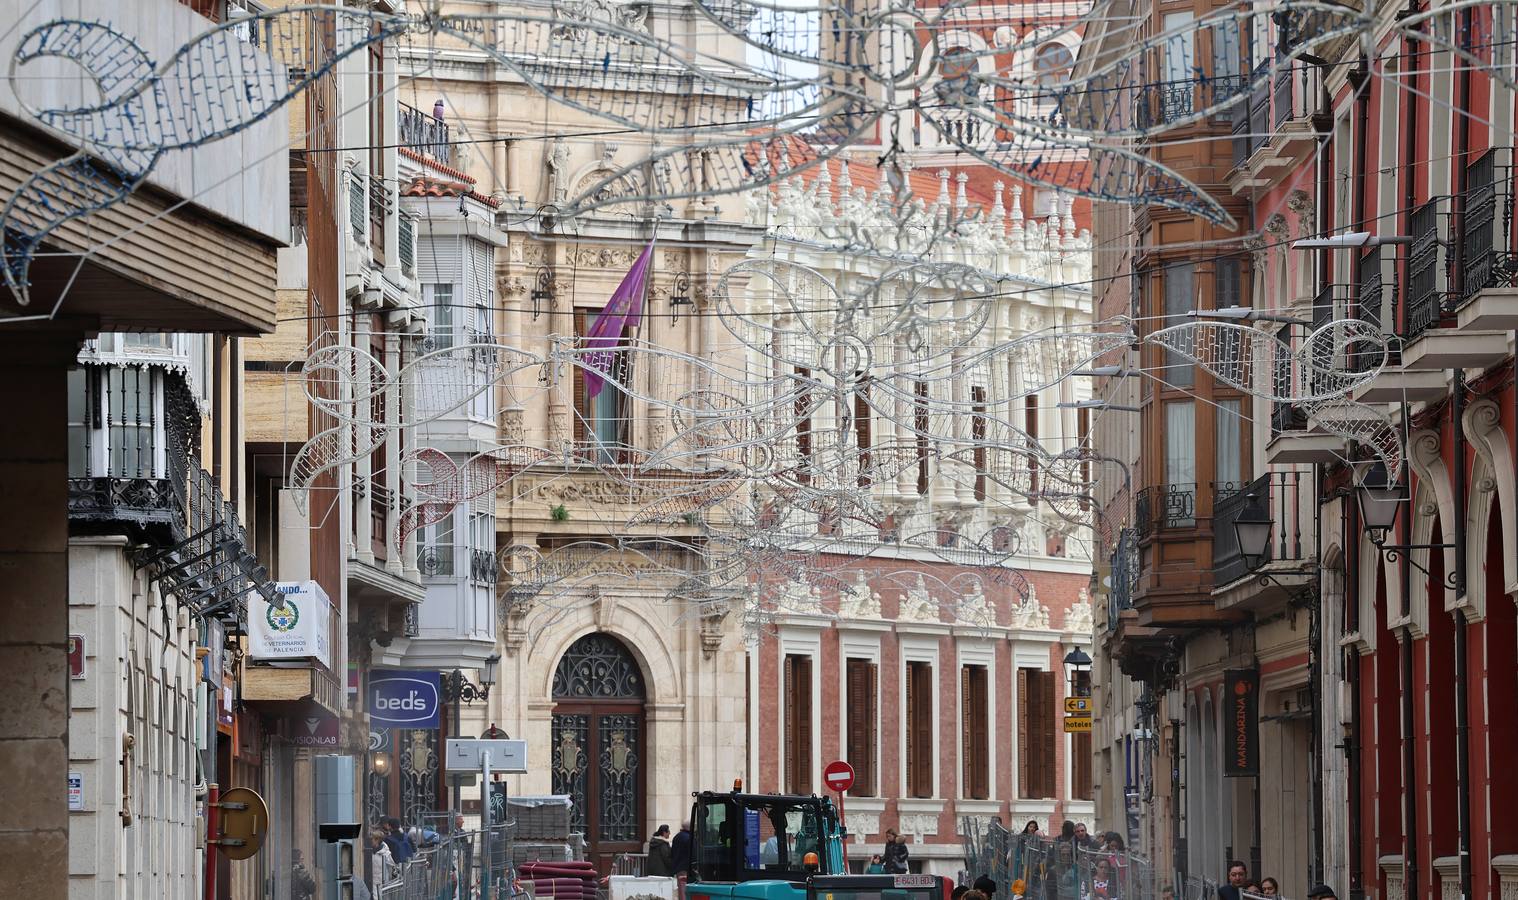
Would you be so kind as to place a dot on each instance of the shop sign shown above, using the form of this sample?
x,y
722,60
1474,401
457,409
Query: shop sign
x,y
299,631
404,698
1241,722
316,731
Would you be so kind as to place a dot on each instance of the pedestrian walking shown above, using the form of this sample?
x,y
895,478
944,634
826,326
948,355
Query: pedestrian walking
x,y
302,882
1270,887
895,854
661,858
680,851
465,854
1238,878
1321,892
1022,850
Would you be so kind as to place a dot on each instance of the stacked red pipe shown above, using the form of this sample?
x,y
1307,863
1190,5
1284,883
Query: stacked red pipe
x,y
560,880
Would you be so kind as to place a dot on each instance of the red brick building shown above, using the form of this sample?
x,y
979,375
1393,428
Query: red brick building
x,y
948,703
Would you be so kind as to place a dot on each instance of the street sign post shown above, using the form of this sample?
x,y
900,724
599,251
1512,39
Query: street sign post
x,y
1077,724
839,776
1078,705
483,754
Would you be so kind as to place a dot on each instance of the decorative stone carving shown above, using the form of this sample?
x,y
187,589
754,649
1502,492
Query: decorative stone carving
x,y
557,162
1030,614
1300,202
918,825
1078,617
571,16
859,601
514,425
918,605
975,609
800,596
713,618
862,825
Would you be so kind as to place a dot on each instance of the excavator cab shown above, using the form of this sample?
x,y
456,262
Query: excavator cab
x,y
762,846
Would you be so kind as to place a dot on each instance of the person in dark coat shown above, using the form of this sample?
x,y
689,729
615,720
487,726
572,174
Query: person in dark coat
x,y
895,854
661,859
680,849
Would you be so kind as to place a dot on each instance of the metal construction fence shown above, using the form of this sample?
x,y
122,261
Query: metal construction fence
x,y
469,865
1037,867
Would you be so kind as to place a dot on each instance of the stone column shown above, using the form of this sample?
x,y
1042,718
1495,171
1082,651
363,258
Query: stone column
x,y
34,686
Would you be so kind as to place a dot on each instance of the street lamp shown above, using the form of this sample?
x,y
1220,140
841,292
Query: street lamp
x,y
1349,240
459,690
1078,660
1252,531
1378,507
1096,404
1244,314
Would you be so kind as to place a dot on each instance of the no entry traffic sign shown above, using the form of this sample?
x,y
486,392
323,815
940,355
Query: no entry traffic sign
x,y
838,776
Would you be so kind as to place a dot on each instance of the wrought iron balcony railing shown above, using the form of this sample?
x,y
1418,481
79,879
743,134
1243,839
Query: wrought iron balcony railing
x,y
1286,417
1486,227
1370,305
482,566
1425,264
425,133
1279,496
1124,575
1165,507
435,560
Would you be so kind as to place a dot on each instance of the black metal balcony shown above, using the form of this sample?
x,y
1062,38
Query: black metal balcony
x,y
1285,417
1486,228
1279,497
1424,299
425,133
435,560
1165,508
1369,306
1124,576
482,566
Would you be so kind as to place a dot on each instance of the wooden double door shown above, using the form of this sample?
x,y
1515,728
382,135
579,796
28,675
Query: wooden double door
x,y
598,746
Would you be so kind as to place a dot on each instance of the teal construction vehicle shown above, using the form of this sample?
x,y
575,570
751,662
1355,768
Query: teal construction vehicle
x,y
761,846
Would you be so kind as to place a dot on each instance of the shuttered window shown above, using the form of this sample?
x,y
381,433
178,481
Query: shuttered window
x,y
862,693
798,724
804,429
1030,425
862,435
975,713
1035,734
919,724
920,426
978,436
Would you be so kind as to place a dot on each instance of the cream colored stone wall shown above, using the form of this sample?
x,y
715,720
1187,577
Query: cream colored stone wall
x,y
135,836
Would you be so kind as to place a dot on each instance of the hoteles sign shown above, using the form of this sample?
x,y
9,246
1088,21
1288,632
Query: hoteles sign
x,y
301,632
1241,722
403,698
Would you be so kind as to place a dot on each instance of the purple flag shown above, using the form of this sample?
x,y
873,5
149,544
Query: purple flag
x,y
624,310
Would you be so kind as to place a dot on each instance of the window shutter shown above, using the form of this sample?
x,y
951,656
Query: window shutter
x,y
1080,767
966,740
581,413
871,736
803,709
920,772
979,732
862,428
861,726
1046,734
910,723
1024,745
788,691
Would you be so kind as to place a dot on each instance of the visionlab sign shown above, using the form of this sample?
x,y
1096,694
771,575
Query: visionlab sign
x,y
403,698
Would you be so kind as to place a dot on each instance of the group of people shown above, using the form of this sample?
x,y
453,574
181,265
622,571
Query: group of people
x,y
1241,886
669,857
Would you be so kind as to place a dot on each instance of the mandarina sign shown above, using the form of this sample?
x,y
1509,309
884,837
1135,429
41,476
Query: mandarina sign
x,y
1241,722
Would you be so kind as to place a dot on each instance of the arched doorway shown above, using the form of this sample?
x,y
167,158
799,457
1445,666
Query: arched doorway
x,y
598,739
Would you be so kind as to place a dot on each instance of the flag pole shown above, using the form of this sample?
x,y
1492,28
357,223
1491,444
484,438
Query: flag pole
x,y
648,276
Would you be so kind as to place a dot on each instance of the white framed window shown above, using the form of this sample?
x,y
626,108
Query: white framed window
x,y
919,704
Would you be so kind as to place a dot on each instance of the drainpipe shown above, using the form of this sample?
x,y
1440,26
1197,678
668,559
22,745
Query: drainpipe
x,y
1359,81
1412,887
1457,425
1462,695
